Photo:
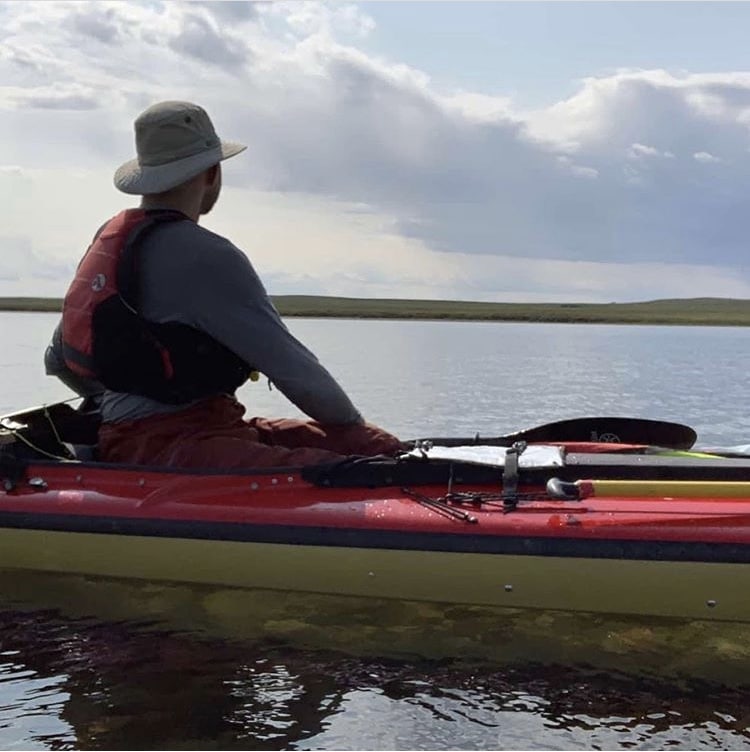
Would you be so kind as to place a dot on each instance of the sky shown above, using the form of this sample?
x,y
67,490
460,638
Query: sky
x,y
502,151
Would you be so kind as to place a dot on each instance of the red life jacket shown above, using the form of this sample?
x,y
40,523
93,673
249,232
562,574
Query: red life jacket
x,y
104,337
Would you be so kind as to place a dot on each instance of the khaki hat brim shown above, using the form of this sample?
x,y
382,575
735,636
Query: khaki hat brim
x,y
140,180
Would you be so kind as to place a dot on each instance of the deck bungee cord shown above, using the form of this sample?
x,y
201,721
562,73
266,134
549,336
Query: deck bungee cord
x,y
16,431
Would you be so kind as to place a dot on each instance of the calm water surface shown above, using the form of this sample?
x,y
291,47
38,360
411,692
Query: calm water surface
x,y
90,664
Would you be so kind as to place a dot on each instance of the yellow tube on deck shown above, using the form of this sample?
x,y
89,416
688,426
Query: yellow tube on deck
x,y
673,488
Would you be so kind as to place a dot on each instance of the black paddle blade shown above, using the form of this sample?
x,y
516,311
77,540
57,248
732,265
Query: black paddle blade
x,y
609,430
612,429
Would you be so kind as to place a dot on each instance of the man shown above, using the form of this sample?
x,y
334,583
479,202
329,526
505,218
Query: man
x,y
170,318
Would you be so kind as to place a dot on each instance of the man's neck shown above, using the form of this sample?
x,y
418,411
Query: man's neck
x,y
161,202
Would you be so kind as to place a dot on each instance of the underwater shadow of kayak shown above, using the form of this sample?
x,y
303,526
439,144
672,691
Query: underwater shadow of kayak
x,y
394,629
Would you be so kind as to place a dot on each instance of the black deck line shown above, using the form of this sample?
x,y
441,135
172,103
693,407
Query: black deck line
x,y
382,473
459,542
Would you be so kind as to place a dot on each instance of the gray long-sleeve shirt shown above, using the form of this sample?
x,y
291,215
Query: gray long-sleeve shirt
x,y
194,276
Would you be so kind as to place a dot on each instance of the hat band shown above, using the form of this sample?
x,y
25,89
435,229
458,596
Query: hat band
x,y
156,160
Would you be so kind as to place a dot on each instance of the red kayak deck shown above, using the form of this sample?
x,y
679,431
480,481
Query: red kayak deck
x,y
89,498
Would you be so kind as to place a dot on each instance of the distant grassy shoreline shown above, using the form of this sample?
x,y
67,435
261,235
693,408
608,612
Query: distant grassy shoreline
x,y
691,311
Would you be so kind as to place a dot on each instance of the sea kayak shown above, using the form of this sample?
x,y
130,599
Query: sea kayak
x,y
568,525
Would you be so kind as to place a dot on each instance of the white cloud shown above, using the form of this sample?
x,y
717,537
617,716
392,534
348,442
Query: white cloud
x,y
202,38
18,261
61,97
574,169
641,152
460,183
705,157
638,151
318,19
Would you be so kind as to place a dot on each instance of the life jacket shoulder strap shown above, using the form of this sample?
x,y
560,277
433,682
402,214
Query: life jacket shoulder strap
x,y
128,282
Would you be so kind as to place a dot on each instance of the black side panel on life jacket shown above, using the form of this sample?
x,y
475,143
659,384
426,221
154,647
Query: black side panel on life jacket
x,y
128,357
170,362
201,365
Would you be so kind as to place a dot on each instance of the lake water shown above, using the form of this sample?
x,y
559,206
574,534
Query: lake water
x,y
90,664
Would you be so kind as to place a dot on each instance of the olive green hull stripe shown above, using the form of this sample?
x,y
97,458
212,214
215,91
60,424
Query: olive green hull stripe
x,y
661,588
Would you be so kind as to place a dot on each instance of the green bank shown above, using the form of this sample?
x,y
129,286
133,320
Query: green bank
x,y
692,311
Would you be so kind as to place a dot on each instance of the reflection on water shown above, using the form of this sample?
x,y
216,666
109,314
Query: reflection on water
x,y
93,664
715,651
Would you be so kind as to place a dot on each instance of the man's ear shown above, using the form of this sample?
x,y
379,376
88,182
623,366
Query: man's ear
x,y
211,174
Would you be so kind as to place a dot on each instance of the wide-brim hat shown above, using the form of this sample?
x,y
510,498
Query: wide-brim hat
x,y
174,141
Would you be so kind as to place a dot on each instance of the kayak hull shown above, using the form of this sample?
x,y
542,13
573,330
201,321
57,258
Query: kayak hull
x,y
660,556
684,589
